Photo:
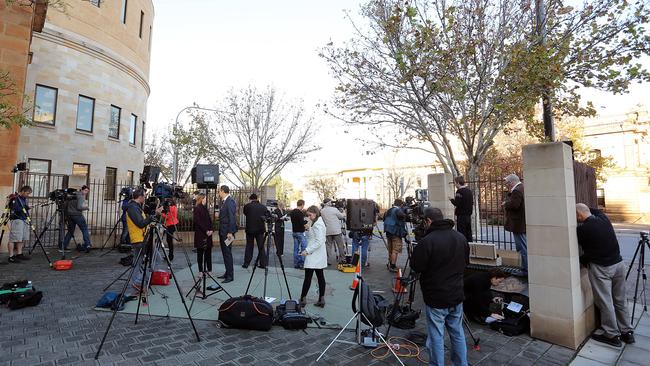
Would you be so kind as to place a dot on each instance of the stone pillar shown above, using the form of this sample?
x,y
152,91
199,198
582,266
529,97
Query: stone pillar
x,y
440,189
267,193
561,302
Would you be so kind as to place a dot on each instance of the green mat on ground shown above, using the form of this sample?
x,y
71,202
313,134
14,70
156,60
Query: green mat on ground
x,y
165,300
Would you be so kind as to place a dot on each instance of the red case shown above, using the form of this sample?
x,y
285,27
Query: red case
x,y
62,265
160,278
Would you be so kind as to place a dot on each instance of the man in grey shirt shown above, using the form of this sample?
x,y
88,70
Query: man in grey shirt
x,y
332,218
75,216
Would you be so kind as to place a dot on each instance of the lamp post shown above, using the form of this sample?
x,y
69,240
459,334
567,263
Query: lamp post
x,y
175,160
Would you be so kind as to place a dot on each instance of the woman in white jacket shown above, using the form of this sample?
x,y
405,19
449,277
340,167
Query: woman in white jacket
x,y
315,256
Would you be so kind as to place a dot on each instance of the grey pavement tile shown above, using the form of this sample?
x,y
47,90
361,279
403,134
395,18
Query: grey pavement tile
x,y
600,352
642,342
628,363
581,361
636,355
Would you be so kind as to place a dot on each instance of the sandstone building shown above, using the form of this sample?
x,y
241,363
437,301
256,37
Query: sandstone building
x,y
86,90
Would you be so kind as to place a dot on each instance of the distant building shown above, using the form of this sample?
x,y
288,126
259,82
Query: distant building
x,y
87,89
382,185
626,193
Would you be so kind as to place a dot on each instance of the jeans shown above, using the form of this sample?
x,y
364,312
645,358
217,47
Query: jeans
x,y
299,244
451,319
522,247
361,240
74,221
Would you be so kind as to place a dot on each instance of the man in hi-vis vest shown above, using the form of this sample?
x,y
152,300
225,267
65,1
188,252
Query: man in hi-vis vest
x,y
137,222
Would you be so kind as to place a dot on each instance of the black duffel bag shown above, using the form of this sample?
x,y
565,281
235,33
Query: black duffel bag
x,y
246,312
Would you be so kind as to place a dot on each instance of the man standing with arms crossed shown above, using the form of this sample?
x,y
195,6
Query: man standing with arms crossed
x,y
516,219
227,231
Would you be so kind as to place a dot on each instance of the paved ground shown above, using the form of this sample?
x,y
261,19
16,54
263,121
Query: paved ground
x,y
64,329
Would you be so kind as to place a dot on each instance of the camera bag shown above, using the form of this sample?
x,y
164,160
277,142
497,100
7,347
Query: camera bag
x,y
290,316
512,326
373,306
10,289
402,317
246,312
24,299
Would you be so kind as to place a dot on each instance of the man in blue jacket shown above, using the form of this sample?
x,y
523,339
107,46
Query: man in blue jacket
x,y
227,231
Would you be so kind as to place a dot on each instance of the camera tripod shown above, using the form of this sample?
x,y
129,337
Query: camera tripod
x,y
113,231
152,245
269,240
640,272
358,316
200,284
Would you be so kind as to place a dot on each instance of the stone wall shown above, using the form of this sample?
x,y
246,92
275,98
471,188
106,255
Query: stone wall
x,y
15,35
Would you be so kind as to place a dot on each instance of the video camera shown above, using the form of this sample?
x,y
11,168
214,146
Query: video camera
x,y
60,196
414,211
270,216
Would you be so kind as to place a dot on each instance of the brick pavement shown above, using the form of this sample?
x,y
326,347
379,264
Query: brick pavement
x,y
64,330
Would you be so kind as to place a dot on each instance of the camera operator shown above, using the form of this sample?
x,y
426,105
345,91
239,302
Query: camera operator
x,y
75,214
440,259
137,222
255,228
332,218
361,239
395,228
171,220
19,227
602,256
298,224
478,294
280,213
464,203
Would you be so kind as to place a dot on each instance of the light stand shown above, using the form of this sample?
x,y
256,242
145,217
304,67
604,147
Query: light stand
x,y
152,244
640,272
358,316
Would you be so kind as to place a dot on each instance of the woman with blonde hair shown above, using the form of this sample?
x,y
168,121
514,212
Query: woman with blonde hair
x,y
315,256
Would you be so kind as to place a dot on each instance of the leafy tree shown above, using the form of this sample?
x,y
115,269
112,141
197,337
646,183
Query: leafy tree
x,y
325,187
258,134
10,114
157,153
447,76
193,144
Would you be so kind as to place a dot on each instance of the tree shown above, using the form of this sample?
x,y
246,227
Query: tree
x,y
325,187
193,143
397,182
10,114
157,153
447,74
258,134
285,192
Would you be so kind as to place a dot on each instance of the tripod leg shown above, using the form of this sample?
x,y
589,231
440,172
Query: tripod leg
x,y
639,274
111,232
40,244
355,316
636,252
119,302
469,329
385,342
115,280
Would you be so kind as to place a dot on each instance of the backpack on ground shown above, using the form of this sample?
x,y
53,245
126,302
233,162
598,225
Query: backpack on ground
x,y
373,306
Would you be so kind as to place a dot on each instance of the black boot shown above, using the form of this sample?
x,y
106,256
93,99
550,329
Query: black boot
x,y
303,302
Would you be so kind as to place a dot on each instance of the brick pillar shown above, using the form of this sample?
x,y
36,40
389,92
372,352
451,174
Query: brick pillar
x,y
440,189
561,302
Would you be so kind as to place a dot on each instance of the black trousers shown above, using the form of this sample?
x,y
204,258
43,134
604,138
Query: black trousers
x,y
279,241
464,226
226,252
248,254
306,284
170,239
204,259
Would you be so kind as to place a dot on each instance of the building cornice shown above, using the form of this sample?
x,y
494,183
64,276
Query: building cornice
x,y
60,38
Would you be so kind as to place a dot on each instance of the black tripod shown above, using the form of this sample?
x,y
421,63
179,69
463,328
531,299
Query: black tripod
x,y
152,244
640,272
112,232
60,214
200,284
268,239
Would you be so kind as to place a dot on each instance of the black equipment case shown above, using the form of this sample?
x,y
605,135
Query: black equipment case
x,y
246,312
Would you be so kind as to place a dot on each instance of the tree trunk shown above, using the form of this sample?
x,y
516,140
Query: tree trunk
x,y
474,184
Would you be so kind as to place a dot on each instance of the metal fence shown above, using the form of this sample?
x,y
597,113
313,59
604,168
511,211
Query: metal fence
x,y
490,193
489,216
104,202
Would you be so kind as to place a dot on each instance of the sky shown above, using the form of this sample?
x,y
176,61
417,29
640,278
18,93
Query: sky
x,y
204,48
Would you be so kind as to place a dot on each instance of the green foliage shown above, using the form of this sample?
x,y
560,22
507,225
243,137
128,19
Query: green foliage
x,y
10,114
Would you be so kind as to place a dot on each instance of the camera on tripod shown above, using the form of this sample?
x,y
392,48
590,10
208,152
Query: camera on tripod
x,y
414,211
270,216
60,196
644,234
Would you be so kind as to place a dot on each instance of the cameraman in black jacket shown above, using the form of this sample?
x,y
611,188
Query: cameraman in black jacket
x,y
440,259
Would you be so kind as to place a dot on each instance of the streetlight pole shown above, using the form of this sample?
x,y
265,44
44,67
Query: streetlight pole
x,y
175,176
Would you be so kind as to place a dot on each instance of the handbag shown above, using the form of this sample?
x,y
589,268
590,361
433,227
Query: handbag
x,y
246,312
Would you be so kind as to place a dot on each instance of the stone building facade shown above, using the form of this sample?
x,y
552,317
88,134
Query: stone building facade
x,y
87,88
625,194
